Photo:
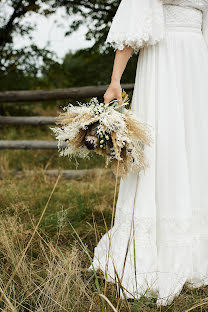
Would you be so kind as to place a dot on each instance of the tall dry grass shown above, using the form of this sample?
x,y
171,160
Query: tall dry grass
x,y
49,278
53,274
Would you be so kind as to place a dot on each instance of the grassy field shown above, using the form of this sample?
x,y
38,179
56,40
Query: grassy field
x,y
52,275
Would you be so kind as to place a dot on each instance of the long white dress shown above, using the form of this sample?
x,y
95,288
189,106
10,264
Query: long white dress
x,y
168,245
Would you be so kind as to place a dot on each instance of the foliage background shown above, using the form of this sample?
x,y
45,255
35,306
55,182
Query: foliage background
x,y
31,67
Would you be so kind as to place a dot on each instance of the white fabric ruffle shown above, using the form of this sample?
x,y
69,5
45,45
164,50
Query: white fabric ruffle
x,y
137,23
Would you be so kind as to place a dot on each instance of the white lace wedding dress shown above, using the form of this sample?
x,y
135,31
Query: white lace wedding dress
x,y
169,243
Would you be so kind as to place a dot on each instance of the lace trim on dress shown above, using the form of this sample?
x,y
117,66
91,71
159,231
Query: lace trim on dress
x,y
136,41
172,231
119,41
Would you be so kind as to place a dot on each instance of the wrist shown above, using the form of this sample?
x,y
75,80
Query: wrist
x,y
115,81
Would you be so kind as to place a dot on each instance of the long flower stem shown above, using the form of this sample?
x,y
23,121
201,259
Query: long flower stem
x,y
112,219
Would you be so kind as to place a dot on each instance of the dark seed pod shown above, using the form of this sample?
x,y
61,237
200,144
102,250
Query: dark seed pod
x,y
91,142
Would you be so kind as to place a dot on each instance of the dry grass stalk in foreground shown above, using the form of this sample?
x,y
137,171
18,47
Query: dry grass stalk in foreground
x,y
46,280
29,243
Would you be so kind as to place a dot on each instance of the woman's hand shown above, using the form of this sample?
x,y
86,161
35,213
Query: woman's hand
x,y
114,92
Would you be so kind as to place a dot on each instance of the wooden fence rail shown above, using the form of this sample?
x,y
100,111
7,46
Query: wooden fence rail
x,y
67,174
26,144
35,121
56,94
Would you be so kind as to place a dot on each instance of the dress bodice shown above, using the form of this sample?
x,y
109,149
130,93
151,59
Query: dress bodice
x,y
197,4
187,13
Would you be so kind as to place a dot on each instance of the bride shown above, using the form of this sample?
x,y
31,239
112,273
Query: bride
x,y
169,201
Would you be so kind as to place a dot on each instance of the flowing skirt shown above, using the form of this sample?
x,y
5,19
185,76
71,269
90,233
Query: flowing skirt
x,y
166,246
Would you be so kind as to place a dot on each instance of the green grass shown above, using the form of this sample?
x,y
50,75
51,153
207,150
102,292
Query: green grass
x,y
76,200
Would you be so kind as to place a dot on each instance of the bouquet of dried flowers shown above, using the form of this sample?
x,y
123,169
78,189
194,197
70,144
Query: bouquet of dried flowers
x,y
110,130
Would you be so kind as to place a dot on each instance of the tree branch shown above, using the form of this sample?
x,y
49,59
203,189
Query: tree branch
x,y
5,32
87,5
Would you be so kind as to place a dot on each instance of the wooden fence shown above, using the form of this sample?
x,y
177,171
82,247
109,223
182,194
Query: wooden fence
x,y
43,95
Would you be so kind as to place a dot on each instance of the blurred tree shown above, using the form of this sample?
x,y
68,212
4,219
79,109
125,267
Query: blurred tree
x,y
31,67
19,67
12,24
96,14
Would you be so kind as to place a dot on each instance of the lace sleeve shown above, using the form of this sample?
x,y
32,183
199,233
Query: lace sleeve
x,y
205,26
137,23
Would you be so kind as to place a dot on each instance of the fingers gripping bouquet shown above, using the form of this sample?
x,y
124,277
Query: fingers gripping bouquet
x,y
110,130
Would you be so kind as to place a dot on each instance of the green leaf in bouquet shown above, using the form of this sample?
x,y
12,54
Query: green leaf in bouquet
x,y
125,97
